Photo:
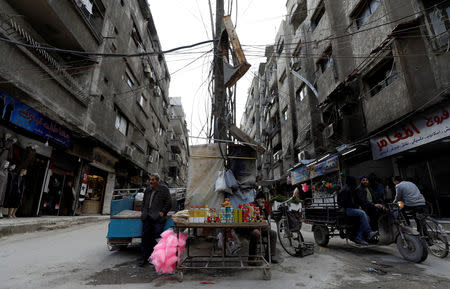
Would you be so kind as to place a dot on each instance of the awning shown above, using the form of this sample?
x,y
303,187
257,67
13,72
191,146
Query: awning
x,y
246,139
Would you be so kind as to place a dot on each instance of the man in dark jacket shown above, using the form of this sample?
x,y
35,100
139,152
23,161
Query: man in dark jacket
x,y
157,203
348,199
369,201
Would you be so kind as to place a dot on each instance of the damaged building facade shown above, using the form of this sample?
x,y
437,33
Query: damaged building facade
x,y
382,105
96,123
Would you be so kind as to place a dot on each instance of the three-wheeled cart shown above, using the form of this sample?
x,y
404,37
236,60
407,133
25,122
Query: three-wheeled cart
x,y
224,261
125,219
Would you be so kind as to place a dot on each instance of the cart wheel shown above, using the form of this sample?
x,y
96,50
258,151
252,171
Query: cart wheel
x,y
267,274
180,276
321,235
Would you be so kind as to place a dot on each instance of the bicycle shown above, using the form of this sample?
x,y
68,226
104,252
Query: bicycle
x,y
432,233
288,231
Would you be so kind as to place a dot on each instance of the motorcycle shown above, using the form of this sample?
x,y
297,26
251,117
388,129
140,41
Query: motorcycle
x,y
328,220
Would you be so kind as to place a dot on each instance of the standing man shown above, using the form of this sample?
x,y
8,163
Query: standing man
x,y
157,203
369,201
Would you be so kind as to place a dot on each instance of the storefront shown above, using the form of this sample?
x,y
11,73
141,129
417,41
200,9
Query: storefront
x,y
322,176
28,138
419,150
97,183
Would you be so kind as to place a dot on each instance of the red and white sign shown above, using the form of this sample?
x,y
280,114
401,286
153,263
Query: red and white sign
x,y
426,128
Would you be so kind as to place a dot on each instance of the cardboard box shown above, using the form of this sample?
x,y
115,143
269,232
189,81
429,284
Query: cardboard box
x,y
137,205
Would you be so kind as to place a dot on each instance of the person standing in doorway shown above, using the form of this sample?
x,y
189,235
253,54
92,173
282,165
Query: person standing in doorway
x,y
157,203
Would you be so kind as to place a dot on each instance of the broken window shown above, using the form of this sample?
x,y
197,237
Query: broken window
x,y
315,20
365,9
438,15
385,74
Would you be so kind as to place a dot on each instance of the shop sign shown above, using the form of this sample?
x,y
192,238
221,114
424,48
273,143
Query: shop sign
x,y
299,175
22,115
426,128
104,158
325,167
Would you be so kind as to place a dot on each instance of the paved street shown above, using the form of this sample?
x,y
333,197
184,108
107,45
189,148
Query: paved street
x,y
77,257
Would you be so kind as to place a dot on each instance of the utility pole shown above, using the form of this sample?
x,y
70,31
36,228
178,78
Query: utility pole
x,y
219,109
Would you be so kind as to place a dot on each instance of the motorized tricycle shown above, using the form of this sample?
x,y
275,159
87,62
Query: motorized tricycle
x,y
329,220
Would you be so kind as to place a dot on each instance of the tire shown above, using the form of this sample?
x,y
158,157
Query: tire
x,y
436,239
321,235
289,240
414,249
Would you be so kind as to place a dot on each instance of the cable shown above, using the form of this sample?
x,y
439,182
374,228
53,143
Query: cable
x,y
105,54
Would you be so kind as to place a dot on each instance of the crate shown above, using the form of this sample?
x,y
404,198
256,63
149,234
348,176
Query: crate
x,y
137,205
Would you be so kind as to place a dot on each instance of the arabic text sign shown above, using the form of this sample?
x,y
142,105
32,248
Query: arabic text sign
x,y
424,129
299,175
22,115
327,166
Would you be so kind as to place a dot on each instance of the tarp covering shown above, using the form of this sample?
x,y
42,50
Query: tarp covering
x,y
205,162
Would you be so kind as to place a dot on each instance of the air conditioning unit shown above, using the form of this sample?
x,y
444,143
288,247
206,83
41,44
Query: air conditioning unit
x,y
303,155
150,158
295,64
157,91
128,150
328,131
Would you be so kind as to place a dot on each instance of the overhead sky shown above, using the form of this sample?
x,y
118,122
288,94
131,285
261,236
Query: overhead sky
x,y
183,22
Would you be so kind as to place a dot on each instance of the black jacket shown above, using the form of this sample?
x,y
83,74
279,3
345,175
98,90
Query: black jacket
x,y
348,198
162,202
362,195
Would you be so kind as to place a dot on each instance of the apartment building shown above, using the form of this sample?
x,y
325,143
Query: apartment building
x,y
95,122
373,92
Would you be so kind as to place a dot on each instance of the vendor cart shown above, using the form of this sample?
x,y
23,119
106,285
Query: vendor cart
x,y
125,224
223,260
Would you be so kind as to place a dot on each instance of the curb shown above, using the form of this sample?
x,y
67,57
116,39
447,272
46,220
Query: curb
x,y
47,224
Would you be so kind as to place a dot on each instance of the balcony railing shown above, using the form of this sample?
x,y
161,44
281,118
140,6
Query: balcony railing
x,y
14,31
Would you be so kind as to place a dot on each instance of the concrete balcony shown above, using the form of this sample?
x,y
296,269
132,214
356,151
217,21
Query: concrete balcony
x,y
48,62
176,145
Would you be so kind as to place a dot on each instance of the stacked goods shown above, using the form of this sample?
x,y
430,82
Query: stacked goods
x,y
247,213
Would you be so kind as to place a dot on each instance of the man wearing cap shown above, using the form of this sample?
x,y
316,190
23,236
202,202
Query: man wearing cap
x,y
260,201
369,201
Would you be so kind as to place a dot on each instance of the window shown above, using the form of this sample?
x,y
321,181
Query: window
x,y
297,50
315,20
121,123
301,93
280,46
130,82
366,8
142,100
438,15
285,114
326,60
283,76
383,76
136,36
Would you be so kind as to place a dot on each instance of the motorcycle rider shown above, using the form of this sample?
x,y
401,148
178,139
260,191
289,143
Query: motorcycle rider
x,y
349,200
410,195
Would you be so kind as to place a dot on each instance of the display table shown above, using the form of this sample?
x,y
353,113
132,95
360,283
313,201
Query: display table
x,y
224,261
